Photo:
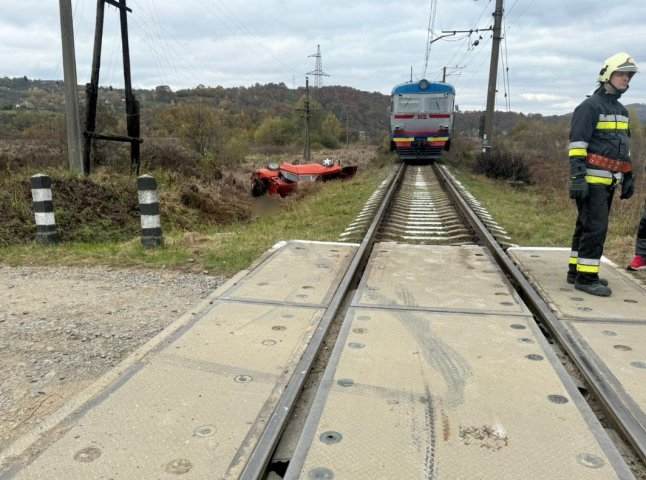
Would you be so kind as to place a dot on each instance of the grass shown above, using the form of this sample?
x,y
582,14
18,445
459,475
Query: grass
x,y
321,212
532,215
529,214
539,217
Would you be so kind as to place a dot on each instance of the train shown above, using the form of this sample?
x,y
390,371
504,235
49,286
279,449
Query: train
x,y
421,119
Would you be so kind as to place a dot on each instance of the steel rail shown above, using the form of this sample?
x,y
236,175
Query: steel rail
x,y
268,440
616,404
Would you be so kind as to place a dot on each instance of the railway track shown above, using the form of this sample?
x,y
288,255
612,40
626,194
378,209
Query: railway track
x,y
351,360
430,207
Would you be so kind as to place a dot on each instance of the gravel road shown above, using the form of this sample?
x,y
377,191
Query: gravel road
x,y
62,328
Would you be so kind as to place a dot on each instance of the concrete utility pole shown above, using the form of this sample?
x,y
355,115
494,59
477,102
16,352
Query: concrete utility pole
x,y
71,96
493,73
306,147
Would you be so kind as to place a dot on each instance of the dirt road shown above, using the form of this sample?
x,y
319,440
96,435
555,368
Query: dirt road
x,y
62,328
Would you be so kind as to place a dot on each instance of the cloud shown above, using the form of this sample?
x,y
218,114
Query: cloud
x,y
550,56
540,97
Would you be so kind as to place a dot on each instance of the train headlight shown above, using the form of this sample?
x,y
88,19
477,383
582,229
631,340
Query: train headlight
x,y
423,84
327,162
272,166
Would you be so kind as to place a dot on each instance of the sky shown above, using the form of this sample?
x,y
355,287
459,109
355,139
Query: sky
x,y
550,55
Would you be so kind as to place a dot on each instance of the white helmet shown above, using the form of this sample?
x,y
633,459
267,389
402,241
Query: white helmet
x,y
619,62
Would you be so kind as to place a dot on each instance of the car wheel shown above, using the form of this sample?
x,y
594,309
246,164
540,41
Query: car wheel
x,y
258,188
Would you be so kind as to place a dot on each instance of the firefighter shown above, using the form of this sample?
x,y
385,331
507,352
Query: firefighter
x,y
599,164
639,262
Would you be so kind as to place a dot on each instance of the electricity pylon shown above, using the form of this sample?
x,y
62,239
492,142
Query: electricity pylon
x,y
318,69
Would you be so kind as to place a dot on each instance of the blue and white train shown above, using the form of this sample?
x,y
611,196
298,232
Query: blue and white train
x,y
421,119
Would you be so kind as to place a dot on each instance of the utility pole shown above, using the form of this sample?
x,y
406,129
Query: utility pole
x,y
306,149
71,94
493,73
92,90
347,131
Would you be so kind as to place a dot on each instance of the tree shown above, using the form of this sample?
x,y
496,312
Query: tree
x,y
197,125
236,149
330,130
275,131
163,93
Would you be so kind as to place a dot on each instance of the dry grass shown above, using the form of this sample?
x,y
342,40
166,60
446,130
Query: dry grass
x,y
543,214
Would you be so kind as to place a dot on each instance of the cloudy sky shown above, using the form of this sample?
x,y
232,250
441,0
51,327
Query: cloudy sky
x,y
550,56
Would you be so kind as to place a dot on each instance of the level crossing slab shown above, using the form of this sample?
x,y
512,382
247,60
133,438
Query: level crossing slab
x,y
442,278
608,333
417,390
196,405
546,268
301,274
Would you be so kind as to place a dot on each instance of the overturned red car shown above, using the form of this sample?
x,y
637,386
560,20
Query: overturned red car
x,y
284,178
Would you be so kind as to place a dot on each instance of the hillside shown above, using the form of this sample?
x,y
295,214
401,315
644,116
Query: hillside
x,y
365,111
242,110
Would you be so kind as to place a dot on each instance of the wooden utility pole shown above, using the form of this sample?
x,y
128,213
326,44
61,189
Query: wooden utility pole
x,y
71,94
493,73
92,90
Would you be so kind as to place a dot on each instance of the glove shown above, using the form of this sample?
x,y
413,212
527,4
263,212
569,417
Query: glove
x,y
578,188
627,186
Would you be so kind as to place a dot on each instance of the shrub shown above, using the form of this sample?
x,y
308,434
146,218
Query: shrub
x,y
503,164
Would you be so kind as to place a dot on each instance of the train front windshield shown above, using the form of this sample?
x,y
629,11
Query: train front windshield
x,y
408,104
424,103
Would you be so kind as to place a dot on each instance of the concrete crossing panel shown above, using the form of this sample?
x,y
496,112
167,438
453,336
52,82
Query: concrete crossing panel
x,y
441,278
420,395
546,268
303,273
607,334
621,348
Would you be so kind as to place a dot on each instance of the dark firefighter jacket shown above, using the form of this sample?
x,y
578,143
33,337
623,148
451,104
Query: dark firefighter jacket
x,y
599,126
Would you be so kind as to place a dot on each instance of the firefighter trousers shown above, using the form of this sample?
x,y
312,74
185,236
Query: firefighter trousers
x,y
640,245
590,231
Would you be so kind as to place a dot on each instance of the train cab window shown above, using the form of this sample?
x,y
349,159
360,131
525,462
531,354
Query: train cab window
x,y
408,104
438,104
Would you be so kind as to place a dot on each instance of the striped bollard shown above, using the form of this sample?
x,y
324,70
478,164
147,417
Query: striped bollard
x,y
41,193
151,232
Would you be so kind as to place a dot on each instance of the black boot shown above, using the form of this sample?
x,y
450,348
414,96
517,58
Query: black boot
x,y
571,279
595,288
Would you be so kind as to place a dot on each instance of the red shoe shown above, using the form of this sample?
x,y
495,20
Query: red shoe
x,y
638,263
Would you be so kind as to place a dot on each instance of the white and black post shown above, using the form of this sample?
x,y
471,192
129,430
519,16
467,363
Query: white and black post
x,y
151,232
41,193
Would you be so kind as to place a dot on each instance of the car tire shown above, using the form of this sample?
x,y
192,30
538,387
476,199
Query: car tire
x,y
258,188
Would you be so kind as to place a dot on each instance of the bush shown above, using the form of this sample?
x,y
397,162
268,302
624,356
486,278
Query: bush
x,y
169,154
503,164
236,150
